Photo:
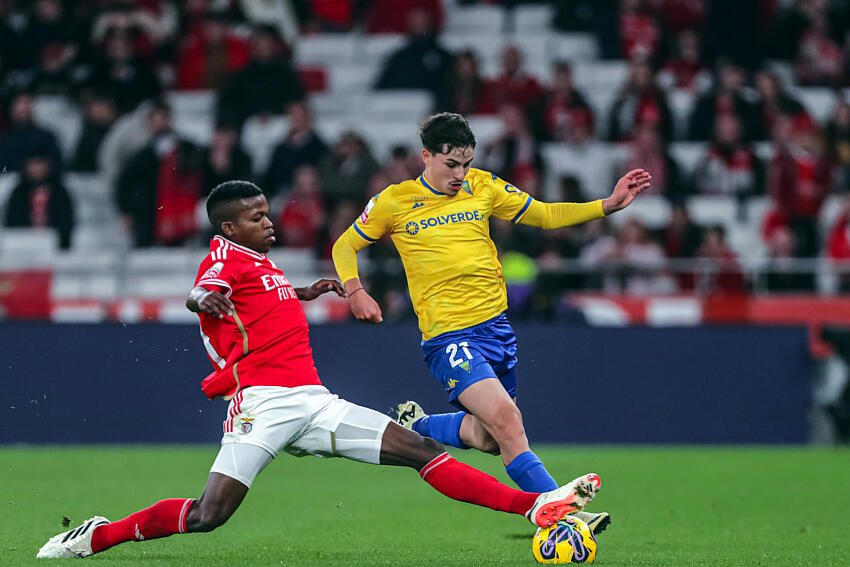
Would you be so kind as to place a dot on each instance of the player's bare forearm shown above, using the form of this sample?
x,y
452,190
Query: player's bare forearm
x,y
363,307
318,288
627,188
203,300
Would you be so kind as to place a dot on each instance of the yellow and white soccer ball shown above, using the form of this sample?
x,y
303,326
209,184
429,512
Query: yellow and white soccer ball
x,y
568,541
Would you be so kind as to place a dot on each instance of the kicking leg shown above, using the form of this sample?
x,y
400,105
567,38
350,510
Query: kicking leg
x,y
498,414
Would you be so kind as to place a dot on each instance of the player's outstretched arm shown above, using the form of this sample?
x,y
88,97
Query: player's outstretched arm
x,y
317,288
627,188
203,300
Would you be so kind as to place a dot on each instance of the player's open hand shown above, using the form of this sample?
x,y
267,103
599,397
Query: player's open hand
x,y
215,304
363,307
320,287
626,189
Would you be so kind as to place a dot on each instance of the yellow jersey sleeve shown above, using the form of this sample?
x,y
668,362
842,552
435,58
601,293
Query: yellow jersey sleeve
x,y
370,226
559,215
376,220
509,202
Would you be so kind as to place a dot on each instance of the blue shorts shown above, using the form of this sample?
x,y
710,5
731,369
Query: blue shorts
x,y
461,358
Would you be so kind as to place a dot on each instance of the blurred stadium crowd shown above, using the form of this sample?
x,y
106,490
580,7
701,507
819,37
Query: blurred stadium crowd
x,y
120,116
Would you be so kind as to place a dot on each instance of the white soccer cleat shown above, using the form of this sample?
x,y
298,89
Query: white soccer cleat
x,y
409,413
73,543
554,505
596,522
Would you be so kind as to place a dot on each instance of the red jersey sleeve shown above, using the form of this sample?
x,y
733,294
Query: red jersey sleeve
x,y
219,274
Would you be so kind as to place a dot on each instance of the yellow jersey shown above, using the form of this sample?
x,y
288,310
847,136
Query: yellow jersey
x,y
453,273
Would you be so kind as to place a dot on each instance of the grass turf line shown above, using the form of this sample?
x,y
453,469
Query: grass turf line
x,y
670,506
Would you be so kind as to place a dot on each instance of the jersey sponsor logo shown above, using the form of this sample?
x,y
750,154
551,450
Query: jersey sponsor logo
x,y
412,228
213,272
417,205
364,216
281,284
466,187
454,218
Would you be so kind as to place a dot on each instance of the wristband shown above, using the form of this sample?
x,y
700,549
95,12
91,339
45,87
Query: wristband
x,y
355,291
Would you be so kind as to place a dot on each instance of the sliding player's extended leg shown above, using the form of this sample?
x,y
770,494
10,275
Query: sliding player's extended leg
x,y
232,473
400,446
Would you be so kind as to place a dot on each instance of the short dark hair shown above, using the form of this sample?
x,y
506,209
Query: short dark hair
x,y
443,132
225,194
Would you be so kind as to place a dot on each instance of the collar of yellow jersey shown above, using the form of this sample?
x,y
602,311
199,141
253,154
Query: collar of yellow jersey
x,y
424,182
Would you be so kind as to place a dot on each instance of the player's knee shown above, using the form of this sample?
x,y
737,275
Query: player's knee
x,y
208,517
508,425
489,445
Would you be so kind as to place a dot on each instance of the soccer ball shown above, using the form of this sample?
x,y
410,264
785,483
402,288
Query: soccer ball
x,y
568,541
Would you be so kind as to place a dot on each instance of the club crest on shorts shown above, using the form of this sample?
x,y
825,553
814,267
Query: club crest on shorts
x,y
247,424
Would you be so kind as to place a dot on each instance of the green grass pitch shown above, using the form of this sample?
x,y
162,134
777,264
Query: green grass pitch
x,y
670,506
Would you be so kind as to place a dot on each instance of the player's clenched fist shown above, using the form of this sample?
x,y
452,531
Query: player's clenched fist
x,y
364,307
202,300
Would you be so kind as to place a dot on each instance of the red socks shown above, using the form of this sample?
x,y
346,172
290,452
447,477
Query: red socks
x,y
467,484
163,519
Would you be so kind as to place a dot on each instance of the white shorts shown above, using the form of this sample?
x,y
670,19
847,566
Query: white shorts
x,y
307,420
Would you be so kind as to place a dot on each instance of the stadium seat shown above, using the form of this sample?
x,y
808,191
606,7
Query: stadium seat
x,y
486,128
260,135
377,48
688,155
62,117
412,105
350,78
652,210
28,247
325,48
574,47
819,101
100,236
490,19
681,104
532,18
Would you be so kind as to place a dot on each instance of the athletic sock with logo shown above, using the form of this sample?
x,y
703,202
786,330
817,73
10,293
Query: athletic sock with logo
x,y
165,518
462,482
443,427
529,474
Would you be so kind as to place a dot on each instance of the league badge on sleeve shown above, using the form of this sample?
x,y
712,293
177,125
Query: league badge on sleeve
x,y
364,216
214,271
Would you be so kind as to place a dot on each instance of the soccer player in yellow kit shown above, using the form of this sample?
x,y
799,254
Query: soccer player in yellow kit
x,y
439,223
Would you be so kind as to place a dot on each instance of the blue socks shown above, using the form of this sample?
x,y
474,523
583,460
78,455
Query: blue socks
x,y
529,474
442,427
525,470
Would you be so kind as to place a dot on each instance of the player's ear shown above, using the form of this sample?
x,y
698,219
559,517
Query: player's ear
x,y
426,157
227,228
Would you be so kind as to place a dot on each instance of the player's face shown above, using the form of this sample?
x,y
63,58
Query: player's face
x,y
446,171
251,227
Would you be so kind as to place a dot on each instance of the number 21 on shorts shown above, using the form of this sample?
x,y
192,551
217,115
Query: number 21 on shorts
x,y
452,350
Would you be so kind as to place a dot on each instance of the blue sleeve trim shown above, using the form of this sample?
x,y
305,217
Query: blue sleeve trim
x,y
361,233
522,210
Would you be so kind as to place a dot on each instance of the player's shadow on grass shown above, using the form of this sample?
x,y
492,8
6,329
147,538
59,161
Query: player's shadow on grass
x,y
517,536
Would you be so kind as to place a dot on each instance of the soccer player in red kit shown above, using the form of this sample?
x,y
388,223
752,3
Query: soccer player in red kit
x,y
256,335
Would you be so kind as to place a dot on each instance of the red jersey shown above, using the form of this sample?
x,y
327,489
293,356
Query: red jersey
x,y
266,341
